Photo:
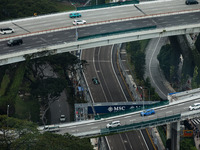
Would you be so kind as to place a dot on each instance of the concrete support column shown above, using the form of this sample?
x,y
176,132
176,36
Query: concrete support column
x,y
175,135
168,131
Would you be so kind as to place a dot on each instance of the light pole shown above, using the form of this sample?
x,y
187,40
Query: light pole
x,y
143,94
76,33
8,110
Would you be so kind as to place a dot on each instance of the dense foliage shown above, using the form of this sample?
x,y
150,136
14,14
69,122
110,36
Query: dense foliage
x,y
197,43
22,84
178,72
10,9
136,52
187,144
169,58
196,61
137,58
21,134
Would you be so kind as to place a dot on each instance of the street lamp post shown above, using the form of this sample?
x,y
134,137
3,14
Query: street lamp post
x,y
76,33
8,110
143,94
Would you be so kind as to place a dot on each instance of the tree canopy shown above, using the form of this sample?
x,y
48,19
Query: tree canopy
x,y
22,134
137,57
10,9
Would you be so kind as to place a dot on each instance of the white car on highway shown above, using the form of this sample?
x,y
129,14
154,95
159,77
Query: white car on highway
x,y
62,118
6,30
195,106
77,22
113,124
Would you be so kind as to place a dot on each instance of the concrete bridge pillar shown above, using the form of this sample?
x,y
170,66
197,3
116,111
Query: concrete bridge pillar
x,y
175,135
168,131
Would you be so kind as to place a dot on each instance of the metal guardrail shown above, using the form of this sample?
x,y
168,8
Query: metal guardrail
x,y
108,5
116,32
129,79
141,124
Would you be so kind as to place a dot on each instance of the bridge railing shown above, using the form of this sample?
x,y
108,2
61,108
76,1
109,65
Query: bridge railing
x,y
161,103
140,125
116,32
108,5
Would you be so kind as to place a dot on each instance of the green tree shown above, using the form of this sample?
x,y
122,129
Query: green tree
x,y
133,47
10,9
197,43
21,134
194,79
187,144
139,64
48,90
172,72
13,129
60,64
137,57
164,62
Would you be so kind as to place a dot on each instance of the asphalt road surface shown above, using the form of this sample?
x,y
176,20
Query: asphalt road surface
x,y
109,90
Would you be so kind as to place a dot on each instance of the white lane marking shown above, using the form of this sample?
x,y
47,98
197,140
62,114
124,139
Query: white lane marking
x,y
27,47
144,140
132,120
163,108
71,127
11,50
90,124
181,104
169,112
50,35
74,130
38,42
128,117
108,121
152,116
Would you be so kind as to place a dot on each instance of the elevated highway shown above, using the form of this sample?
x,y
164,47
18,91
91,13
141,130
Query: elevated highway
x,y
54,33
173,112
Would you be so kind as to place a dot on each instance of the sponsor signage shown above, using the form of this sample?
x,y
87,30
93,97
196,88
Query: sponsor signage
x,y
187,133
113,108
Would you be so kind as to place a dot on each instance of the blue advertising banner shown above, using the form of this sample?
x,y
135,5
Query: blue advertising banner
x,y
112,108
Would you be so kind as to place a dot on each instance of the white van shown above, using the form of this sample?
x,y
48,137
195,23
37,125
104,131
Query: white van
x,y
195,106
6,30
51,128
113,124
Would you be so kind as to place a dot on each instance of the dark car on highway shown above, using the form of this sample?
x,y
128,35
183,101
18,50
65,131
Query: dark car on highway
x,y
190,2
14,42
95,80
